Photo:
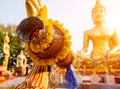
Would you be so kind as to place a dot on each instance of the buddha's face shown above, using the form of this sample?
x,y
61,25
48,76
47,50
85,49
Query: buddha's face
x,y
6,40
98,15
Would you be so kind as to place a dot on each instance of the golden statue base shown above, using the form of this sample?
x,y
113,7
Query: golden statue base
x,y
20,70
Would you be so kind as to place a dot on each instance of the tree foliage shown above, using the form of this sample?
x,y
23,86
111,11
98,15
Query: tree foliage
x,y
16,45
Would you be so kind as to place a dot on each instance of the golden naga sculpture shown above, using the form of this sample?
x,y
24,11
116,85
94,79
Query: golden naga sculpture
x,y
104,39
6,51
46,42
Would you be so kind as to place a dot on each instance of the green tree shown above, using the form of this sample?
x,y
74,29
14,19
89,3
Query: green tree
x,y
16,45
1,51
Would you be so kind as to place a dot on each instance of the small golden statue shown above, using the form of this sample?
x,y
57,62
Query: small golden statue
x,y
104,39
4,73
21,59
6,51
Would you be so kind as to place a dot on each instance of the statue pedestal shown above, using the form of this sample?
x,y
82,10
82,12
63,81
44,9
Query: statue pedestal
x,y
20,70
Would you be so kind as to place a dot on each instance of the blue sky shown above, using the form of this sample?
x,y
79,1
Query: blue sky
x,y
11,11
75,15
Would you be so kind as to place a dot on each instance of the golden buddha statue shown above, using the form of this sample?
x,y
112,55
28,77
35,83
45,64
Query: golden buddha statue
x,y
104,39
6,51
6,54
21,59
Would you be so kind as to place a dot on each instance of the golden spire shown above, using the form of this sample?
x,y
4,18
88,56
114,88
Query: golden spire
x,y
98,5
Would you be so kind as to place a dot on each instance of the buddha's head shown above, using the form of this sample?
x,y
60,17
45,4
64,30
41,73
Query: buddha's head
x,y
6,38
98,13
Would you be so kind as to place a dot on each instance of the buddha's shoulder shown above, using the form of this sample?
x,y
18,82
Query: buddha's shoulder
x,y
88,31
110,28
104,29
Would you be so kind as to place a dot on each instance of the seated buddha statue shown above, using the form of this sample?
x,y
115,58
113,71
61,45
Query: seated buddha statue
x,y
104,39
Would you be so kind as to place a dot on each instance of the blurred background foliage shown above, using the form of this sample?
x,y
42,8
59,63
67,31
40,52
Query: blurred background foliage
x,y
16,45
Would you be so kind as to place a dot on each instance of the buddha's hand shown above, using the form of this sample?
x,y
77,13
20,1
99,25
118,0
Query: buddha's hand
x,y
114,54
107,54
33,7
82,53
115,51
